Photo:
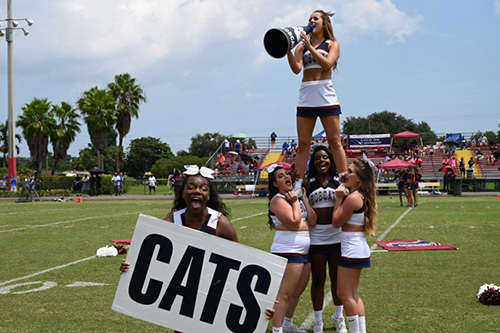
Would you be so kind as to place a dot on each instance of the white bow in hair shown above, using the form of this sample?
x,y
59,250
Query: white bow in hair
x,y
192,170
272,167
367,160
330,13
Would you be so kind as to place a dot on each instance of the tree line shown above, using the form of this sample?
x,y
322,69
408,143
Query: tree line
x,y
103,111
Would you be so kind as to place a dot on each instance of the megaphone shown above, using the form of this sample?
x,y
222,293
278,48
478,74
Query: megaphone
x,y
278,41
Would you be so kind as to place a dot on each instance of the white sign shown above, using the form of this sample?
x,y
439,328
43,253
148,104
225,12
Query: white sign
x,y
191,281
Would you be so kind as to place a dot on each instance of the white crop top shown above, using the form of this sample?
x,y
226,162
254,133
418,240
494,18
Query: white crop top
x,y
309,61
358,216
303,209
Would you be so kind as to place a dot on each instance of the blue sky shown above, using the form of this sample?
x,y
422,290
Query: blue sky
x,y
204,68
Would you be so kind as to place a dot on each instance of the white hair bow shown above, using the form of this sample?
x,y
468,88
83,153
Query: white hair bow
x,y
192,170
272,167
330,13
367,160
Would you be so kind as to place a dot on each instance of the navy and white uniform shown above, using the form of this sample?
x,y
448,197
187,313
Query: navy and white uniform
x,y
317,98
293,245
355,252
324,237
210,224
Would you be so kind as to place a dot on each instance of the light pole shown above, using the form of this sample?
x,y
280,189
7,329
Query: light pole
x,y
8,32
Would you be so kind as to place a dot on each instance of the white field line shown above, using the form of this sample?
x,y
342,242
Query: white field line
x,y
47,270
64,222
308,322
249,216
80,260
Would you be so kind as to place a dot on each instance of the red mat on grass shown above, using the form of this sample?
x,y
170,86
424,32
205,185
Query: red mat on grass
x,y
121,241
411,245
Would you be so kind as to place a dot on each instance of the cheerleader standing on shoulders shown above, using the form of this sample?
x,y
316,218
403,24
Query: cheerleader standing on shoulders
x,y
325,239
316,57
291,217
355,211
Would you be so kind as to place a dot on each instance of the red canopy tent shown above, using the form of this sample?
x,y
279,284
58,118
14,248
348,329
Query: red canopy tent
x,y
407,135
395,164
286,166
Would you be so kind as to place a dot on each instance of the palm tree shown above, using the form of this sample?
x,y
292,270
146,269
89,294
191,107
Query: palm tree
x,y
128,96
99,113
37,122
65,131
4,141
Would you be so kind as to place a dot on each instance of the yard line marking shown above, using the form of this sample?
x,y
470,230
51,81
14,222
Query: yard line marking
x,y
249,216
308,322
47,270
382,236
64,222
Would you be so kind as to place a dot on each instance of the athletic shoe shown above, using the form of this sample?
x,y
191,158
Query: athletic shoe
x,y
298,191
293,329
339,324
318,327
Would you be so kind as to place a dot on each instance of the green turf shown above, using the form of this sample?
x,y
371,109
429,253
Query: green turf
x,y
414,291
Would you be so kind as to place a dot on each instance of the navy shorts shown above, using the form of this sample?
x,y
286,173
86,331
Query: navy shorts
x,y
295,258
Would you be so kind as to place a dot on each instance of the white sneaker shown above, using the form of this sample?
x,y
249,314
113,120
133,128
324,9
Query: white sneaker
x,y
293,329
298,191
339,324
318,327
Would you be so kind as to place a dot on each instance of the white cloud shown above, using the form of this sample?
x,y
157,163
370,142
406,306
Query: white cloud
x,y
371,17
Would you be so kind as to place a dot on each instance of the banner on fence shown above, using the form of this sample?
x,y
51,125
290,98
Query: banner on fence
x,y
190,281
369,140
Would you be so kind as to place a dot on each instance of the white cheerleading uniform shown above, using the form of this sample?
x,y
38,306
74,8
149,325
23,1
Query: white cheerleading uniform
x,y
210,224
355,252
293,245
324,237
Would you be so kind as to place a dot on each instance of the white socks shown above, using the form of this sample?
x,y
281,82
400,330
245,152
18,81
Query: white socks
x,y
277,330
338,310
353,324
318,316
287,322
362,324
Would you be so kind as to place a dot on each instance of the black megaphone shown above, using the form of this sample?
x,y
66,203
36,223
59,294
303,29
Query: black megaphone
x,y
278,41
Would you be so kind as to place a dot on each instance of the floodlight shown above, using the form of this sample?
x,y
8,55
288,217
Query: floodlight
x,y
15,23
26,32
30,22
2,33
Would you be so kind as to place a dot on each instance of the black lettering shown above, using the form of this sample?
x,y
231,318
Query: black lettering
x,y
141,269
248,298
192,260
221,273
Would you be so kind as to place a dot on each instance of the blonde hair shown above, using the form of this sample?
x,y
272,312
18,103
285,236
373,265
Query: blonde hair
x,y
367,188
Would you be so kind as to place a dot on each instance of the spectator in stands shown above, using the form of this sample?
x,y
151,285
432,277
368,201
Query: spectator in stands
x,y
491,159
446,161
284,148
483,141
471,164
453,162
461,167
418,162
227,146
317,95
431,151
479,154
472,141
273,139
237,147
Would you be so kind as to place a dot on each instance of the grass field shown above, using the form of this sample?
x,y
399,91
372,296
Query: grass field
x,y
48,246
